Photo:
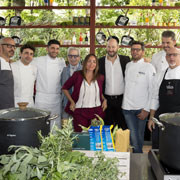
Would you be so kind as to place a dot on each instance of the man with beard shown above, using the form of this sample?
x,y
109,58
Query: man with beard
x,y
48,88
159,59
137,95
7,49
166,92
24,74
112,66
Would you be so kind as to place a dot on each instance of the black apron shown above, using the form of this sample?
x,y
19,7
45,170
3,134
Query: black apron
x,y
169,102
169,96
6,89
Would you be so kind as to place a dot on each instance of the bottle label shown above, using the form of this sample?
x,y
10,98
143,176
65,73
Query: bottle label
x,y
81,20
75,20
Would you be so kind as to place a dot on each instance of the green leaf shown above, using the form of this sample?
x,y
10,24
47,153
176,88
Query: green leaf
x,y
27,159
42,159
4,159
39,175
15,167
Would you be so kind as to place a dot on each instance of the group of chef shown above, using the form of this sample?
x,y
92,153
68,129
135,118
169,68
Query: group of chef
x,y
17,79
133,89
151,89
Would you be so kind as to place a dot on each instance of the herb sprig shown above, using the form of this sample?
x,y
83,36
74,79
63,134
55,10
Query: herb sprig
x,y
55,160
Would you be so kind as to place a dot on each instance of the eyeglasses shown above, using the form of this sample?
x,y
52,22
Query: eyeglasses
x,y
10,45
71,56
136,49
173,54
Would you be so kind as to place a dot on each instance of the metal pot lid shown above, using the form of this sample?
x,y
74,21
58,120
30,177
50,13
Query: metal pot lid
x,y
171,118
15,114
15,21
16,39
100,38
2,21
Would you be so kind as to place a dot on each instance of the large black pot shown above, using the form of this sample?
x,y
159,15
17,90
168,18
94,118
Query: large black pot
x,y
20,127
169,139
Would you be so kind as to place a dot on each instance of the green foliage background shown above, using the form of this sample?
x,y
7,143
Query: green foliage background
x,y
148,36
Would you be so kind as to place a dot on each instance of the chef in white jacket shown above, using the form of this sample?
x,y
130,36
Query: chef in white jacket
x,y
24,74
159,59
137,95
48,89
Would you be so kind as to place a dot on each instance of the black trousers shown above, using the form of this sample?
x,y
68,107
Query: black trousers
x,y
113,113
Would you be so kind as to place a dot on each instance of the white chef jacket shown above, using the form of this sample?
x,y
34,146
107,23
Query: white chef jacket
x,y
159,61
114,78
48,86
24,79
171,74
138,85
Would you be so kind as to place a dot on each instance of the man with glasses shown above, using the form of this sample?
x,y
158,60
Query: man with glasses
x,y
166,92
73,56
137,95
24,74
159,59
48,89
7,49
112,66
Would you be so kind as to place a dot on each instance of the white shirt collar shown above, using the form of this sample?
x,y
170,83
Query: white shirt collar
x,y
50,58
21,64
139,61
107,60
73,67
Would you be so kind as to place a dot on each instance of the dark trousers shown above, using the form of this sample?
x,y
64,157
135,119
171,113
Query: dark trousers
x,y
113,113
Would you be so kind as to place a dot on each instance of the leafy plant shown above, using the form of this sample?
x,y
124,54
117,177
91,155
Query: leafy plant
x,y
55,160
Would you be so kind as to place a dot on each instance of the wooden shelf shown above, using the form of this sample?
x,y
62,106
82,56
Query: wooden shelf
x,y
138,7
148,46
62,45
87,26
92,27
77,45
44,7
46,26
88,46
88,7
140,27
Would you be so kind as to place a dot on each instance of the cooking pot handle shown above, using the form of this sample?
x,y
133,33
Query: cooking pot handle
x,y
54,116
160,125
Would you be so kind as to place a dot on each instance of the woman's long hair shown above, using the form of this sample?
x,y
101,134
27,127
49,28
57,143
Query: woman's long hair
x,y
84,70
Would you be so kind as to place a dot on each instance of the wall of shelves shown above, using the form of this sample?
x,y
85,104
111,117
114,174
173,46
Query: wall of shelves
x,y
92,25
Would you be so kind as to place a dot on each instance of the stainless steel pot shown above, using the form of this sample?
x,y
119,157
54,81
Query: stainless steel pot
x,y
20,127
169,142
